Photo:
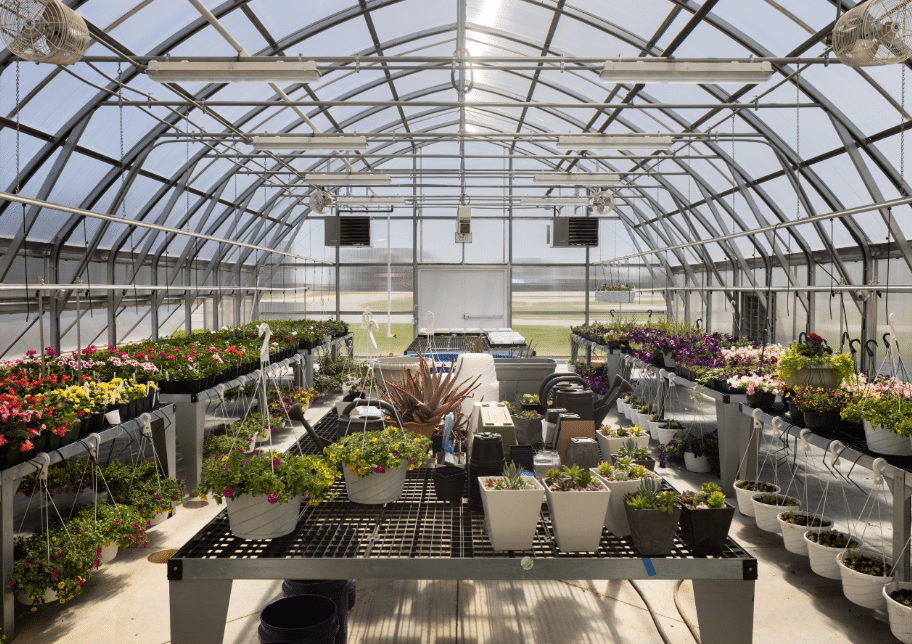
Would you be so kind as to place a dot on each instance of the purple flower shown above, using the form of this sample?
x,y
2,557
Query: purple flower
x,y
276,462
228,492
272,498
378,469
395,452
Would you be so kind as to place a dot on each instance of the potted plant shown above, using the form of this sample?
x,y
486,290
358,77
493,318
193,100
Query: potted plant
x,y
794,524
881,406
374,463
52,566
264,490
530,402
577,502
767,508
744,490
898,595
638,454
658,426
617,293
113,527
821,407
667,433
653,517
611,438
823,548
528,424
512,504
424,397
621,478
813,363
705,519
864,574
700,451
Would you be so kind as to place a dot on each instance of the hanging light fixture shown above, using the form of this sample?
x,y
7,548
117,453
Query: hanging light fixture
x,y
347,179
665,71
365,200
310,142
234,71
554,201
613,142
597,179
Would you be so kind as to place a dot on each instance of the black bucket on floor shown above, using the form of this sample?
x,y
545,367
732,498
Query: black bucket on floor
x,y
351,593
302,619
336,590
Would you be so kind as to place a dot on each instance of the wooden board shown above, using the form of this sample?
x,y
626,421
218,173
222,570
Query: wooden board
x,y
574,429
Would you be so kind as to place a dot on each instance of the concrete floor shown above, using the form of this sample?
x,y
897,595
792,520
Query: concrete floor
x,y
127,601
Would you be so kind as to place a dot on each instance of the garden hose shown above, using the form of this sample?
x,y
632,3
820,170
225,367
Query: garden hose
x,y
693,631
655,618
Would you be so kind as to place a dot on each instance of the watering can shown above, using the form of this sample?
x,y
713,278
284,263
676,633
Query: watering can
x,y
581,400
365,416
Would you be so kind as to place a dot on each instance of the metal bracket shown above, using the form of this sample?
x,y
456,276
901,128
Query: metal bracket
x,y
749,568
175,569
726,399
194,398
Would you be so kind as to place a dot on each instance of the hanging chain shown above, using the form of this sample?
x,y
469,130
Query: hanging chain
x,y
797,144
28,309
902,138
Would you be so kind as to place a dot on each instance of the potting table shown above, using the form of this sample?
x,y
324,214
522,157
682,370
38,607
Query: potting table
x,y
418,537
852,450
162,430
738,444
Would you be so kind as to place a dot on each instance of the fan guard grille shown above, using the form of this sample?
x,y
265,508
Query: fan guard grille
x,y
43,31
878,32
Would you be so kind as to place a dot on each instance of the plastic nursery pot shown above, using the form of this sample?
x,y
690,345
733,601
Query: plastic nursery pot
x,y
652,531
660,429
823,558
511,515
335,590
305,619
900,614
254,517
860,588
885,441
821,421
793,533
743,496
705,531
449,483
698,464
767,515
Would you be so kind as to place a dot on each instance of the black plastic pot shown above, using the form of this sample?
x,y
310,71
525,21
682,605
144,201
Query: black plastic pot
x,y
524,456
449,483
796,414
303,619
336,590
652,531
487,447
436,443
73,432
705,531
761,399
528,430
820,421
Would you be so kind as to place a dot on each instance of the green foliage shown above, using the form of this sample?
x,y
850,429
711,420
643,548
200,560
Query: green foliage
x,y
832,539
819,400
756,486
778,499
867,564
801,356
53,561
110,523
366,453
623,469
802,519
570,479
888,413
710,496
649,496
512,479
630,449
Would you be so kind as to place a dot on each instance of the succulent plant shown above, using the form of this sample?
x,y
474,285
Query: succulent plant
x,y
571,478
710,496
630,449
649,496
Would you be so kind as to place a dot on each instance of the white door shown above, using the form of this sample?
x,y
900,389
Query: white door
x,y
463,298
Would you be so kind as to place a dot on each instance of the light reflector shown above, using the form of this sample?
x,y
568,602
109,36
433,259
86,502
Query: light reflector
x,y
347,178
576,179
664,71
235,71
613,142
315,142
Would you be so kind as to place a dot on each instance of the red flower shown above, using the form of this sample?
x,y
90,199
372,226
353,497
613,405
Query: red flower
x,y
816,339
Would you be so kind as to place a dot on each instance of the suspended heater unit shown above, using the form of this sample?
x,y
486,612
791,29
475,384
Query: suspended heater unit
x,y
43,31
575,232
878,32
351,232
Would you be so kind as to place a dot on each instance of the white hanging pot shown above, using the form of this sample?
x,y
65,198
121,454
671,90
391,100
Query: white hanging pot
x,y
108,553
643,419
744,500
664,434
885,441
254,517
900,614
699,464
375,489
50,596
793,534
823,558
767,516
262,438
160,517
859,588
113,417
578,518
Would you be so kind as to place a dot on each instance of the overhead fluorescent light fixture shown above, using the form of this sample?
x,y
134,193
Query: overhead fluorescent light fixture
x,y
665,71
315,142
235,71
554,201
597,179
347,179
613,142
370,201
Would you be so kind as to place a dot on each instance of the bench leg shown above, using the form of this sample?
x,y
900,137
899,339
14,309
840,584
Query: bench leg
x,y
725,610
199,610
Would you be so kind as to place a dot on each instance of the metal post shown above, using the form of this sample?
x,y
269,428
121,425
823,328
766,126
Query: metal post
x,y
510,247
338,286
416,314
902,525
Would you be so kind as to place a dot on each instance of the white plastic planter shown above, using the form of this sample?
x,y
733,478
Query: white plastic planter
x,y
375,489
861,589
616,297
254,517
823,558
884,441
622,408
113,417
767,516
793,535
578,518
744,500
158,518
900,616
652,429
610,446
642,419
664,434
615,517
511,515
108,553
699,464
50,596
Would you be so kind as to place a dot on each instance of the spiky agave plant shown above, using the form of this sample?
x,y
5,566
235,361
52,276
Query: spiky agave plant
x,y
512,479
429,394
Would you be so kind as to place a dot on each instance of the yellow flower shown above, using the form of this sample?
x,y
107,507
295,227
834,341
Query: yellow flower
x,y
62,601
60,585
202,497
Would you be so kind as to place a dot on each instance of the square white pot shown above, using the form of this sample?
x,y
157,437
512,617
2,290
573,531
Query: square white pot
x,y
578,518
511,515
615,518
610,446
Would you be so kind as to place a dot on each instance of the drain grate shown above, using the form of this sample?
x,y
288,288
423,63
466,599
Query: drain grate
x,y
161,556
193,505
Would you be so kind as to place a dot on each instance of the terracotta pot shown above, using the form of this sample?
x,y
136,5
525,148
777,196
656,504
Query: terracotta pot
x,y
425,429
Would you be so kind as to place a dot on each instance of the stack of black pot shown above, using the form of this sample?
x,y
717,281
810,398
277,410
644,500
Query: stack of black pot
x,y
487,460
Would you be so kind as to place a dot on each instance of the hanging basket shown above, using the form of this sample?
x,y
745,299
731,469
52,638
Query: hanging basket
x,y
375,489
616,297
254,517
900,615
859,588
885,441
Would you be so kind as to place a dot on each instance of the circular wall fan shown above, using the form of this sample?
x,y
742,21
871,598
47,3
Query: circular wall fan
x,y
603,202
320,201
878,32
43,31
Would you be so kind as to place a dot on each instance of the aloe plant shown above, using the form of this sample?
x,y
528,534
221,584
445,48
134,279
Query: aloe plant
x,y
428,395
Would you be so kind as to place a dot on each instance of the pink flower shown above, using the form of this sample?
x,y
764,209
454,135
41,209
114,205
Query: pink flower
x,y
276,462
228,492
272,498
26,446
378,469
